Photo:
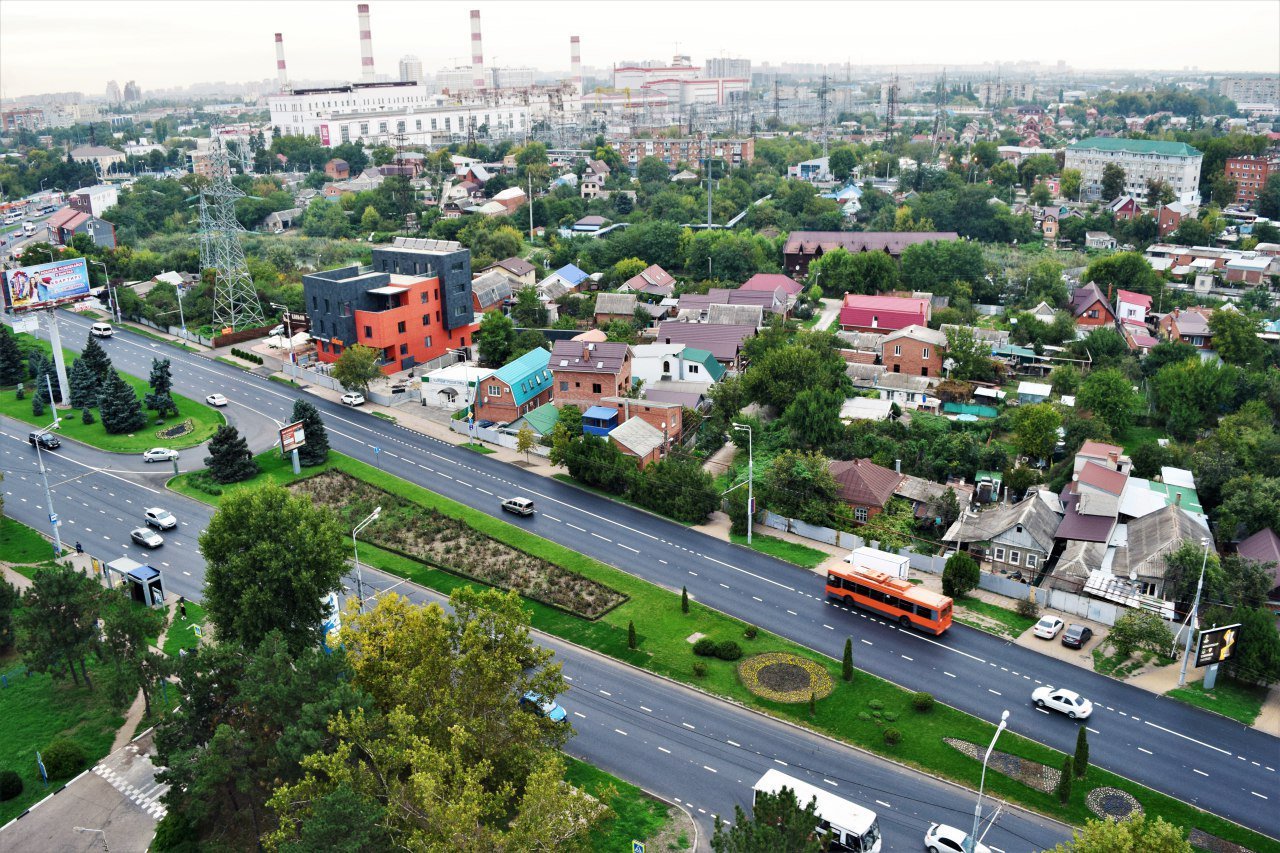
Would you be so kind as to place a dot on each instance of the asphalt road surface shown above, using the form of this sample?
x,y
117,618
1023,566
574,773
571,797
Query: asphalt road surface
x,y
1202,758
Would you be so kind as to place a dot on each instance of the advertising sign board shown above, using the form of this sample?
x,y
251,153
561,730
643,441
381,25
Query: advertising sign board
x,y
292,437
43,285
1216,644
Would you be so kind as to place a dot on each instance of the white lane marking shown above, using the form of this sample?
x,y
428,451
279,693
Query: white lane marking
x,y
793,613
733,743
904,657
664,562
997,692
688,726
1256,794
1042,711
725,585
486,491
605,538
1201,772
868,642
664,749
780,761
605,692
1147,751
1184,737
1095,731
552,517
831,783
828,627
883,803
576,714
949,674
754,597
576,527
629,548
621,732
648,710
713,770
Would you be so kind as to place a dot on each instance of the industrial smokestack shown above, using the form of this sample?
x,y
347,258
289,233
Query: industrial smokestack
x,y
280,71
575,64
477,52
366,45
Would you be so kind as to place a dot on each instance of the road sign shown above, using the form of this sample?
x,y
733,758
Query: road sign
x,y
637,847
1217,644
53,518
292,437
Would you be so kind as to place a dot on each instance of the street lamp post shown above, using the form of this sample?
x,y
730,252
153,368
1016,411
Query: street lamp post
x,y
102,836
751,468
111,292
44,474
977,809
288,330
355,547
1195,609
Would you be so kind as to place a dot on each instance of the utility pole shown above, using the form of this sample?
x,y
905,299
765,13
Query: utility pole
x,y
822,112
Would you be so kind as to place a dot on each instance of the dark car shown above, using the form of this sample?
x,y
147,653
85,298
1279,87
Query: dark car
x,y
47,440
1077,636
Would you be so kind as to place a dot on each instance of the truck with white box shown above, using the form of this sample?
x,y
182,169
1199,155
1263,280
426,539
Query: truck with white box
x,y
874,559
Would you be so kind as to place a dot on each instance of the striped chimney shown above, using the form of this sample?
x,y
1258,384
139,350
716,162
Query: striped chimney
x,y
280,70
575,64
477,52
366,45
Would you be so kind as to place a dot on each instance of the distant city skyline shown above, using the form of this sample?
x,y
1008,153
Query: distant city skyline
x,y
80,46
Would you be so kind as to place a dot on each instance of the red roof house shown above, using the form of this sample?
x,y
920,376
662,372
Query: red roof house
x,y
772,281
882,313
865,486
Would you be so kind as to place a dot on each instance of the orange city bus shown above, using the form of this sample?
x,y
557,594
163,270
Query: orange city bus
x,y
896,598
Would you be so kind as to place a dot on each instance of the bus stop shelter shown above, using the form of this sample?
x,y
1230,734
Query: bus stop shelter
x,y
145,583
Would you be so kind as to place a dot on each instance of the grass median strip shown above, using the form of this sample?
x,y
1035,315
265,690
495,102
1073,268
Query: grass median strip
x,y
792,552
857,712
1240,702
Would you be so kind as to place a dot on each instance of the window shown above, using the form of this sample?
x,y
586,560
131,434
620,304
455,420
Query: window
x,y
999,555
400,327
346,308
424,298
1031,560
924,353
368,331
693,368
860,514
495,390
326,305
404,349
426,319
595,387
1014,558
564,386
382,127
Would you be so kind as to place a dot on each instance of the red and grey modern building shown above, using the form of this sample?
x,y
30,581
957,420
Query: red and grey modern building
x,y
413,303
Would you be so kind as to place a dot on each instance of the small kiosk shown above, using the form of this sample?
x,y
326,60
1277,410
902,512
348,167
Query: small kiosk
x,y
145,583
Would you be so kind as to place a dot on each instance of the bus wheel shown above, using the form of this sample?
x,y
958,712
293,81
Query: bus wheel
x,y
904,622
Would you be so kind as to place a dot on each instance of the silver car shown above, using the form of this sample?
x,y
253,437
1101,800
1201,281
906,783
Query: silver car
x,y
160,454
146,537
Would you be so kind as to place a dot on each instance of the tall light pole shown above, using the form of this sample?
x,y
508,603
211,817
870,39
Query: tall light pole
x,y
972,844
751,473
355,547
44,473
288,330
1195,609
111,293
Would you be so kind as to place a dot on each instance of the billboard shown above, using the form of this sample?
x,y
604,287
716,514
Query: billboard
x,y
1216,644
26,288
292,437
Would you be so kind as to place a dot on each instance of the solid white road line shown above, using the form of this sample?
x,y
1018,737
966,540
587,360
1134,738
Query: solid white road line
x,y
1184,737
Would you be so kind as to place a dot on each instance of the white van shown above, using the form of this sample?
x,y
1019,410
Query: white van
x,y
101,330
28,228
12,217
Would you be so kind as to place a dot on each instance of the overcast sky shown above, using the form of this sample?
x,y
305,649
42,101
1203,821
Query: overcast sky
x,y
74,45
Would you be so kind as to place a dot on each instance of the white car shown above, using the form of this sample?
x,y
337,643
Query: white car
x,y
146,537
947,839
216,400
1068,702
1048,627
278,330
160,519
353,398
160,454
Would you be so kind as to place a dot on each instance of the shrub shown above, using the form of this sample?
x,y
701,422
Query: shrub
x,y
699,669
892,736
875,705
922,701
751,632
631,634
10,785
960,575
1064,781
728,650
1028,609
705,648
63,758
86,416
684,599
846,664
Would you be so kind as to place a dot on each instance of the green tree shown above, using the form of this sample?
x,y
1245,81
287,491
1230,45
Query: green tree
x,y
1252,504
1081,762
778,824
57,624
1035,429
814,417
9,599
529,312
684,599
84,385
972,355
324,218
960,575
937,266
1123,270
12,370
1065,379
1190,395
800,485
525,440
1069,183
1165,353
1159,192
678,488
495,338
1140,630
357,367
1137,833
1235,338
596,462
623,270
315,451
1257,655
1113,180
229,459
1040,195
1064,781
1269,198
96,358
119,406
272,556
785,371
161,398
127,630
651,170
1192,232
846,663
892,527
1110,396
842,162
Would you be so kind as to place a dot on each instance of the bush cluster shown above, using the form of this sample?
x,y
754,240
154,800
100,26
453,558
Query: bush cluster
x,y
10,785
709,648
892,736
922,701
246,355
1028,609
202,481
63,758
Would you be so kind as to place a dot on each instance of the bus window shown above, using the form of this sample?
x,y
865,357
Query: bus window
x,y
892,600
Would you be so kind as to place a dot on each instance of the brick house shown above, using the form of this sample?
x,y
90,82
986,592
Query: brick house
x,y
337,169
861,313
1089,307
615,306
1169,217
516,388
636,438
520,272
1189,326
915,350
667,418
865,486
585,371
1125,207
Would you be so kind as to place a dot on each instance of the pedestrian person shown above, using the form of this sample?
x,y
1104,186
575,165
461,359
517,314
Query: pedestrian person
x,y
79,548
182,607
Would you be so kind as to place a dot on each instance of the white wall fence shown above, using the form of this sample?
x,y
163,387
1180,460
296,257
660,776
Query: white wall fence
x,y
1061,600
500,437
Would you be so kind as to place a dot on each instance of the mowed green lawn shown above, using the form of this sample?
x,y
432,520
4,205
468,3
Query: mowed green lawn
x,y
205,420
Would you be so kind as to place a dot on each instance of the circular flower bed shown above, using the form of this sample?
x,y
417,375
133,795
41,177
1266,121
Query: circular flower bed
x,y
1112,803
176,430
785,677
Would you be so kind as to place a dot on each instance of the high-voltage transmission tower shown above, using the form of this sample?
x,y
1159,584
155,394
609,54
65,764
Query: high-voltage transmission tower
x,y
891,108
235,299
939,114
822,102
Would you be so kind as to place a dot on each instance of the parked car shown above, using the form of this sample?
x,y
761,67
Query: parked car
x,y
1048,627
484,424
277,331
1077,636
216,400
146,537
1067,702
520,506
160,519
947,839
47,440
543,706
160,454
353,398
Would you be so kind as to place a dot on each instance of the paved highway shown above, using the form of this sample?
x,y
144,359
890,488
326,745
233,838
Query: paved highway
x,y
1202,758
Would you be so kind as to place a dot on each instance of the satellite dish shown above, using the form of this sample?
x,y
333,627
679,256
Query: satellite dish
x,y
949,364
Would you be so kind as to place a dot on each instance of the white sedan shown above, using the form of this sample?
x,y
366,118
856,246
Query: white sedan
x,y
353,398
1048,627
1068,702
947,839
216,400
160,454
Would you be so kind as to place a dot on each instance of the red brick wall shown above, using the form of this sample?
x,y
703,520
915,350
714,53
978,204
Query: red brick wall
x,y
501,408
912,360
580,391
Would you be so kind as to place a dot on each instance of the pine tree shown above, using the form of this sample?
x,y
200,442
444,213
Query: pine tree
x,y
161,399
84,385
37,403
11,372
1064,783
86,416
316,449
1082,753
96,358
119,407
684,599
229,459
631,634
846,668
